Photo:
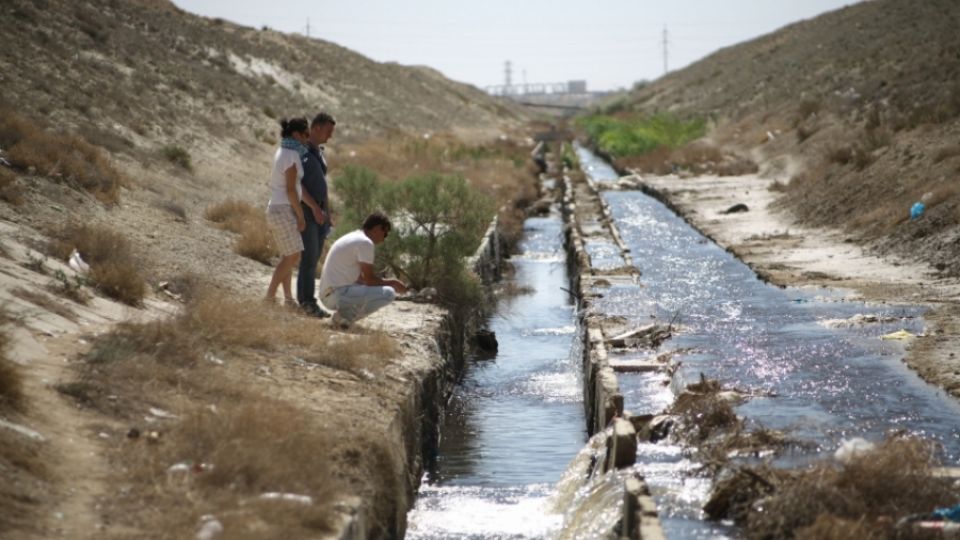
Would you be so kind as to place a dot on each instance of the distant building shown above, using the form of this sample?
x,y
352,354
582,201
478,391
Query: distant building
x,y
576,87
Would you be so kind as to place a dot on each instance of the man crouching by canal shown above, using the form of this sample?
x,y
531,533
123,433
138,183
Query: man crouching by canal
x,y
348,283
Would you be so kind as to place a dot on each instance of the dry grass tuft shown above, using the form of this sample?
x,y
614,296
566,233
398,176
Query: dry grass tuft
x,y
41,300
8,191
113,267
255,241
63,156
11,381
249,447
863,498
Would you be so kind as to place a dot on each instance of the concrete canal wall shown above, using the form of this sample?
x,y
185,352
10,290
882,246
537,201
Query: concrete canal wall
x,y
587,217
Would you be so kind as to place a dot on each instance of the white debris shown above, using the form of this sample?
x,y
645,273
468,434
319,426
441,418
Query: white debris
x,y
289,497
77,263
160,413
23,430
210,528
852,448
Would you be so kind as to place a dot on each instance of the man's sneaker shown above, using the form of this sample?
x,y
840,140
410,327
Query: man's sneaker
x,y
338,322
313,310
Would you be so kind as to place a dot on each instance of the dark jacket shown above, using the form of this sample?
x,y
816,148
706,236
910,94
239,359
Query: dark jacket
x,y
315,181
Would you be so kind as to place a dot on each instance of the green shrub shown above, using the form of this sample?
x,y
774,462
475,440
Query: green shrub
x,y
179,156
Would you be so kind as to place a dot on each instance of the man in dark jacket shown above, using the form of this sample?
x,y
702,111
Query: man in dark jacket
x,y
316,212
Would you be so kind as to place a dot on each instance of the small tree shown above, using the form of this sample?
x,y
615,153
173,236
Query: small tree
x,y
439,221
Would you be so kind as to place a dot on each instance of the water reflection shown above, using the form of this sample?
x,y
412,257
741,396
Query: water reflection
x,y
517,419
829,383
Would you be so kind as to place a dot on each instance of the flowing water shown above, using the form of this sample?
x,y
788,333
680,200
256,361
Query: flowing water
x,y
516,421
512,461
826,383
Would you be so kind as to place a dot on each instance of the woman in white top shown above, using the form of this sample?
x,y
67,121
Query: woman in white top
x,y
284,213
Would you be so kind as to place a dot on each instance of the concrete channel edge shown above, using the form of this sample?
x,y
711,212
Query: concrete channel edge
x,y
603,401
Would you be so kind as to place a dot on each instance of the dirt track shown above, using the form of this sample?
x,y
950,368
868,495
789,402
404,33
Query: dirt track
x,y
787,254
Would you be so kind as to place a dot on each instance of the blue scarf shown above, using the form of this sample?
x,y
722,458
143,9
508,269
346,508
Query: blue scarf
x,y
293,144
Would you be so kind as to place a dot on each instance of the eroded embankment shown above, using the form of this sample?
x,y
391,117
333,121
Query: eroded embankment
x,y
587,220
414,428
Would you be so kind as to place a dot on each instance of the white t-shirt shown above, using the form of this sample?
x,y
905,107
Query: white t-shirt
x,y
342,266
282,160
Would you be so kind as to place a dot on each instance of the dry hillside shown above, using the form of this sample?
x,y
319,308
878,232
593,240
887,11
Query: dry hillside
x,y
860,107
143,136
186,109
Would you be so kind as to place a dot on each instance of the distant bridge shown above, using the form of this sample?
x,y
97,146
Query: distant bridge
x,y
538,89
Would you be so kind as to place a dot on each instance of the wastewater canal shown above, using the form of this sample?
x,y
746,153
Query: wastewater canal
x,y
516,420
513,438
827,379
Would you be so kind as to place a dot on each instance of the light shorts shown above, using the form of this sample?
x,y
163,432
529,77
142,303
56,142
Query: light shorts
x,y
283,224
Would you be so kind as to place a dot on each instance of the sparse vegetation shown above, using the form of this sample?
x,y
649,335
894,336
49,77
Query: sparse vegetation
x,y
11,383
255,241
8,191
114,269
178,155
638,135
41,300
72,289
500,169
22,459
248,444
64,157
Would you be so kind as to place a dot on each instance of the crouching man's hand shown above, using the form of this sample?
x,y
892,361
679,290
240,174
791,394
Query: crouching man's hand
x,y
396,284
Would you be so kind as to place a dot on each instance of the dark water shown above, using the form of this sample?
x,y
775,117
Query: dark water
x,y
517,420
830,384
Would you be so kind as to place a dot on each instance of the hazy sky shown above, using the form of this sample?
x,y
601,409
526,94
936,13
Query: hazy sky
x,y
609,43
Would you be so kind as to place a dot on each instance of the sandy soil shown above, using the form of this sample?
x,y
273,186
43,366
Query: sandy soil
x,y
787,254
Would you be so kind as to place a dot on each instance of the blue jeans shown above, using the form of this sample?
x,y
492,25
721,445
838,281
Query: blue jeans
x,y
354,302
313,236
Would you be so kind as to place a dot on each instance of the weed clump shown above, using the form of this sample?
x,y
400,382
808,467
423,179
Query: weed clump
x,y
114,269
865,496
11,382
179,156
